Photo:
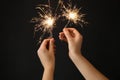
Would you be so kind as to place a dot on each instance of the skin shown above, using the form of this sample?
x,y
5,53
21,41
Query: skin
x,y
46,53
74,40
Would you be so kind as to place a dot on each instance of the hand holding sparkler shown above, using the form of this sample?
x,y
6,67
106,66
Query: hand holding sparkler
x,y
74,40
47,57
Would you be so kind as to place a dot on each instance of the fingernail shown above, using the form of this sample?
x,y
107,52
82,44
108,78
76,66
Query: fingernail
x,y
65,29
52,39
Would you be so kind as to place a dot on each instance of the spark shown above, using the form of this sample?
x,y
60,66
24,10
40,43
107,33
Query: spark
x,y
46,19
45,23
48,22
72,14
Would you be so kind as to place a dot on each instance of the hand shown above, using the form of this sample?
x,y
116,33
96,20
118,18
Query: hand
x,y
74,39
46,53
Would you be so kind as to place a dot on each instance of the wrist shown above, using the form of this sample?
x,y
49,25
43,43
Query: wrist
x,y
75,55
48,74
49,69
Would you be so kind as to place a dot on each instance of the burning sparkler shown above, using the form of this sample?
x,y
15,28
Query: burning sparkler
x,y
46,20
73,14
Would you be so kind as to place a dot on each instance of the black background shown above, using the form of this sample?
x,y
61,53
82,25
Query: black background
x,y
100,45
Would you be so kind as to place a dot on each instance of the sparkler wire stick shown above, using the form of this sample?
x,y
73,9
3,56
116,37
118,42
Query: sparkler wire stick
x,y
41,38
67,23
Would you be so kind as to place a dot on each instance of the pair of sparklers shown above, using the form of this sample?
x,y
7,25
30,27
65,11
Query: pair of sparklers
x,y
46,19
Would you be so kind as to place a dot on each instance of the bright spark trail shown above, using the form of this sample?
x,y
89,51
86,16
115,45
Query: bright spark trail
x,y
46,20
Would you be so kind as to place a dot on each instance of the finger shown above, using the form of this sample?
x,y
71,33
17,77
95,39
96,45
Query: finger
x,y
63,39
74,31
67,34
44,43
62,36
51,46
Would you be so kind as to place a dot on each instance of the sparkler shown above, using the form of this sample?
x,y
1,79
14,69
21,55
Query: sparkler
x,y
46,19
48,22
73,14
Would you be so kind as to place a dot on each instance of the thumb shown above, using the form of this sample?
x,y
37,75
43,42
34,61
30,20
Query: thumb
x,y
52,44
67,34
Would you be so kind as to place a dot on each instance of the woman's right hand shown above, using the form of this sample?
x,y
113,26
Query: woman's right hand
x,y
74,39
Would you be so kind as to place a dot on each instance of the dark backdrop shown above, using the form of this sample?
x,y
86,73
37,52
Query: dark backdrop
x,y
18,52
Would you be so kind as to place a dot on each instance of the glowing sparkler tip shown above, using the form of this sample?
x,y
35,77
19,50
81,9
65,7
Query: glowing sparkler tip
x,y
49,21
72,15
